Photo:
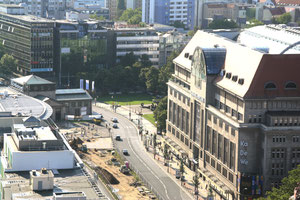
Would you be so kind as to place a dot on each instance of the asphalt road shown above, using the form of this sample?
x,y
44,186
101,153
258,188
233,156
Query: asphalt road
x,y
160,181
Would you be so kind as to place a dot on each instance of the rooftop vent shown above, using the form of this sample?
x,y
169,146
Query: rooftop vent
x,y
241,81
228,75
234,78
190,57
222,72
186,55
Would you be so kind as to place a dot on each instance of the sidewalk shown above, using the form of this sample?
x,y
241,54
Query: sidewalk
x,y
174,164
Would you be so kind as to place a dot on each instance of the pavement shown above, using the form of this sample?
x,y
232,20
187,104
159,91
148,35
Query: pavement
x,y
135,116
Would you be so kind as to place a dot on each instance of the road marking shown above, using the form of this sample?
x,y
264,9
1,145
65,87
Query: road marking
x,y
166,191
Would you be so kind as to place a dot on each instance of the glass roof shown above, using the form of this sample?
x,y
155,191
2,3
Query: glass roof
x,y
214,59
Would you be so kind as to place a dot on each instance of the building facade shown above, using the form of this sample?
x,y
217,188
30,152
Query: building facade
x,y
234,115
30,40
140,41
168,12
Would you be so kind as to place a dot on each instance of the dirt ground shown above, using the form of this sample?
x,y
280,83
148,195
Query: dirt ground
x,y
126,191
98,141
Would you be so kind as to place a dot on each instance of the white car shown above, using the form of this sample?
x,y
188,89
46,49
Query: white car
x,y
115,125
114,119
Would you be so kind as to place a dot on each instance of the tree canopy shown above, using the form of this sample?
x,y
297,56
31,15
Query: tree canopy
x,y
254,22
178,24
160,113
222,24
283,19
8,65
287,188
132,16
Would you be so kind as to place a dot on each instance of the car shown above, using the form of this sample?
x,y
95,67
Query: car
x,y
115,125
125,152
118,138
177,174
114,119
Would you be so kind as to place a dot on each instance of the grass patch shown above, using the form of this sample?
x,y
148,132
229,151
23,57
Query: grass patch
x,y
150,118
125,99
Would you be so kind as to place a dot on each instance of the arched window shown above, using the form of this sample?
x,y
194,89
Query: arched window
x,y
290,85
270,86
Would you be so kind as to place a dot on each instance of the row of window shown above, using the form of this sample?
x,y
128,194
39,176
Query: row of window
x,y
220,169
179,117
228,110
280,139
180,96
288,85
221,124
273,104
221,147
181,137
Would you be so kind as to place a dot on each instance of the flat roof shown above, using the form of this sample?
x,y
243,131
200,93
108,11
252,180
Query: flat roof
x,y
29,18
73,180
72,94
16,102
11,6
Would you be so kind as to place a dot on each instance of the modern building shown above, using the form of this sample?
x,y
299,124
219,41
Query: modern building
x,y
140,41
82,3
170,42
168,12
271,38
63,102
29,39
231,11
88,40
133,4
233,115
112,5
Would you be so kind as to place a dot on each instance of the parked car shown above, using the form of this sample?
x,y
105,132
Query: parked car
x,y
177,174
114,119
125,152
118,138
115,125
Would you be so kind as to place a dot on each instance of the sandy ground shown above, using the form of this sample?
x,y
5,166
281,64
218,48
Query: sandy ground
x,y
98,140
126,191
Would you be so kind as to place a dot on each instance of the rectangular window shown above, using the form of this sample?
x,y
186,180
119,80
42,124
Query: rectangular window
x,y
219,167
227,109
224,172
220,123
230,177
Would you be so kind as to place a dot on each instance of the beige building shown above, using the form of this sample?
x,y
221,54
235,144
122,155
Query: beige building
x,y
233,115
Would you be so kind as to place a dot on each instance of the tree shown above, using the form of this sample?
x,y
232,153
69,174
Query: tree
x,y
132,16
94,16
160,113
287,188
254,22
154,145
181,169
283,19
166,153
166,72
222,24
8,64
128,59
121,7
178,24
196,184
151,76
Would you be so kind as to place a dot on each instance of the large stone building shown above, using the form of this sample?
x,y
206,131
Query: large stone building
x,y
233,115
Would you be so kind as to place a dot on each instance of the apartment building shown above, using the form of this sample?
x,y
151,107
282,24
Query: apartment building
x,y
140,41
168,12
29,39
233,115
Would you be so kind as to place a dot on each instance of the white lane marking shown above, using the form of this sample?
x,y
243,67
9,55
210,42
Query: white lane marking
x,y
166,191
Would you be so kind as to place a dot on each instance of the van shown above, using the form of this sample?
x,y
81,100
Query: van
x,y
177,174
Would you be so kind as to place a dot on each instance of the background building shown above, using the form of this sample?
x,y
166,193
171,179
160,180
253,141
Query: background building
x,y
30,40
167,12
140,41
234,112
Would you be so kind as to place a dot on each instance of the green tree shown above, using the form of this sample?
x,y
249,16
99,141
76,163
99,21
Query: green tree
x,y
196,183
151,77
132,16
154,145
160,113
165,73
181,169
166,153
222,24
254,22
8,64
178,24
283,19
128,60
287,188
94,16
250,13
